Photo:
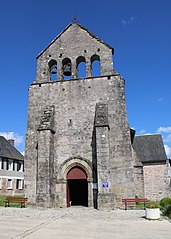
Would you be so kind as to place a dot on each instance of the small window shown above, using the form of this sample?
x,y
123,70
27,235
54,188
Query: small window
x,y
9,184
19,184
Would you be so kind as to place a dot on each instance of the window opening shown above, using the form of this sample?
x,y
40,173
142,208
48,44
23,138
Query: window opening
x,y
9,184
66,68
53,69
19,184
81,70
2,164
95,65
19,166
69,122
81,67
10,165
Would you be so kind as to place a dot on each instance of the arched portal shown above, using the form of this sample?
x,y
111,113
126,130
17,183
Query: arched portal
x,y
77,187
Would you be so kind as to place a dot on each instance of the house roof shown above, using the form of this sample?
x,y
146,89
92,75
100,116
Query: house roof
x,y
91,34
150,148
7,150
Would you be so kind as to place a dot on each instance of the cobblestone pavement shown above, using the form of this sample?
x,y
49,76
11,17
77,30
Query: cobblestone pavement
x,y
79,222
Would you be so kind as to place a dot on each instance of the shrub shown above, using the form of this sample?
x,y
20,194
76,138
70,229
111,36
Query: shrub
x,y
165,206
152,204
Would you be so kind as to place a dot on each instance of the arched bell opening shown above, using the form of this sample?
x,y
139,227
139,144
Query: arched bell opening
x,y
81,67
66,68
95,65
53,69
77,187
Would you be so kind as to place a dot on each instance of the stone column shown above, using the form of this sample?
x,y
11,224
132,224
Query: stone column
x,y
88,68
74,70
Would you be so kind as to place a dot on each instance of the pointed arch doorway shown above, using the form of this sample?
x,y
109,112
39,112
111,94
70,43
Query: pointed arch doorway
x,y
77,187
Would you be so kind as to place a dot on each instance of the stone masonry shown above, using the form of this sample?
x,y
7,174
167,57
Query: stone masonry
x,y
78,123
79,147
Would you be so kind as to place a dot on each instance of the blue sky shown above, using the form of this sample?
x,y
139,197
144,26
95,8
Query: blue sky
x,y
139,31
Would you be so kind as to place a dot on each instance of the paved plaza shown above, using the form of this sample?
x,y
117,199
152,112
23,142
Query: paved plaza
x,y
79,222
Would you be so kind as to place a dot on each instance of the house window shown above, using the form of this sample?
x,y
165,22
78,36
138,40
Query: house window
x,y
2,163
9,184
20,166
19,184
10,165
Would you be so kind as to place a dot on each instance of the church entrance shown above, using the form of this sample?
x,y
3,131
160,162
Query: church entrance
x,y
77,187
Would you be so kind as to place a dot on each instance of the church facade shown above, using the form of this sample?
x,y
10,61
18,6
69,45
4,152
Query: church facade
x,y
79,147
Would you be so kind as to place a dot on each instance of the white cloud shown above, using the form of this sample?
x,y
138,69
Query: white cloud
x,y
128,21
142,131
164,130
168,150
167,138
12,135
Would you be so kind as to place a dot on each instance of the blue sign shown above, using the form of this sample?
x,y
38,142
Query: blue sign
x,y
105,185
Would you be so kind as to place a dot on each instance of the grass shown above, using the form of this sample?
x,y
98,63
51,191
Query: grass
x,y
2,198
15,204
140,205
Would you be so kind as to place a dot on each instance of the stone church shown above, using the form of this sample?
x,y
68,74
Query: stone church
x,y
79,147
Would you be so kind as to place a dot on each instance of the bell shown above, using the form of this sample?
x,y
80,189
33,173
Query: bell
x,y
53,70
67,70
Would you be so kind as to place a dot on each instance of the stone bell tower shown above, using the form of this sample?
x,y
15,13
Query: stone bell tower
x,y
78,146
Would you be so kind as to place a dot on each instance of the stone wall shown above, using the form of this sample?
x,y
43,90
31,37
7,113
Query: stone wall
x,y
138,176
156,183
75,103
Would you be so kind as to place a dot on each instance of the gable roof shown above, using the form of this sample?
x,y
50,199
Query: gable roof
x,y
91,34
7,150
150,148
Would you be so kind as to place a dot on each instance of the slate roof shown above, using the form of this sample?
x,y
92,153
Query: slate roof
x,y
90,33
7,150
150,148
